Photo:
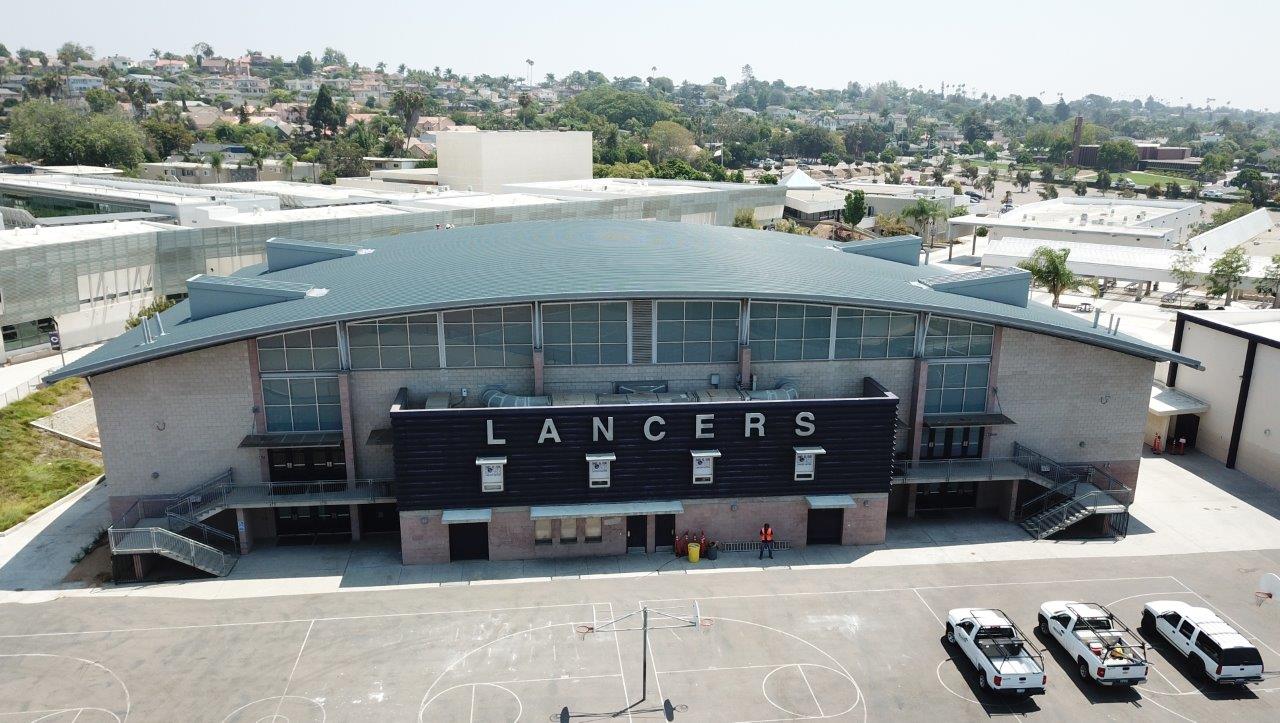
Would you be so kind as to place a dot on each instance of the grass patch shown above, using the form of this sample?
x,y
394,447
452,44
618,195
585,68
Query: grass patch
x,y
38,468
1142,178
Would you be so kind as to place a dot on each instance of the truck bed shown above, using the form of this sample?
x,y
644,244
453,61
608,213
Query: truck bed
x,y
1009,657
1125,654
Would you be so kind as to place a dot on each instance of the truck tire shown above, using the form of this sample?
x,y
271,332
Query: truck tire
x,y
1083,669
1148,622
1044,625
951,634
982,681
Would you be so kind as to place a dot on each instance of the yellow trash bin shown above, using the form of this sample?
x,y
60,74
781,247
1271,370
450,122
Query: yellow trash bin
x,y
695,551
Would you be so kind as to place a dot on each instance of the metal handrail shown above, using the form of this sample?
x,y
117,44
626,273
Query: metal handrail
x,y
162,541
1060,513
905,471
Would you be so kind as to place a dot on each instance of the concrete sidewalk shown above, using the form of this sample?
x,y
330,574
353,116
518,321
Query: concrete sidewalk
x,y
1186,505
18,380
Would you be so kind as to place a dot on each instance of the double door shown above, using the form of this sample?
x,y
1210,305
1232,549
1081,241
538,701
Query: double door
x,y
951,443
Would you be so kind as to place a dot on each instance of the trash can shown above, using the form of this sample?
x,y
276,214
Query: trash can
x,y
695,551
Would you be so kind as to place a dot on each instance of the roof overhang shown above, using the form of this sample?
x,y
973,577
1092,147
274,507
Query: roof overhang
x,y
466,516
966,419
1166,402
606,509
291,440
830,502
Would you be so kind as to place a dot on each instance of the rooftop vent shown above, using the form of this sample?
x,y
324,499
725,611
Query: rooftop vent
x,y
287,253
215,295
1004,286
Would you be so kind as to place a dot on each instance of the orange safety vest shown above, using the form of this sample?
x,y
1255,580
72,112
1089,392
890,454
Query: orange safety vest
x,y
766,534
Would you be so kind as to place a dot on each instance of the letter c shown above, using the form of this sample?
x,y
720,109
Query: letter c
x,y
648,429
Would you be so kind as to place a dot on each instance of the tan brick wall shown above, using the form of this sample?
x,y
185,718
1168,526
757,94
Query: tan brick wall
x,y
864,524
424,539
182,417
789,517
511,537
1054,389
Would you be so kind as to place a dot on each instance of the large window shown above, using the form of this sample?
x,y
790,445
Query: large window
x,y
307,404
492,337
585,333
26,334
697,331
300,351
788,332
956,387
874,334
956,338
402,342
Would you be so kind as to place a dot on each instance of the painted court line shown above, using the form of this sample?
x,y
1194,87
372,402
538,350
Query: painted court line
x,y
289,621
289,681
1226,617
926,605
805,678
917,587
622,673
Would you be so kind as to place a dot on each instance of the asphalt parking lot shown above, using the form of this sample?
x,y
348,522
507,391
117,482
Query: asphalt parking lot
x,y
816,644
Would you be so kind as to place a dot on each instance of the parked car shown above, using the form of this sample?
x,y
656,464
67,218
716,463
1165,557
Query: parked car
x,y
1102,646
1004,659
1210,644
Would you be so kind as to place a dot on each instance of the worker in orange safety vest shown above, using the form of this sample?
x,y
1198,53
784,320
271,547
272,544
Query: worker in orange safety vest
x,y
766,541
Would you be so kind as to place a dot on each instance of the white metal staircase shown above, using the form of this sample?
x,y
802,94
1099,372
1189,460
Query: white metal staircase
x,y
169,526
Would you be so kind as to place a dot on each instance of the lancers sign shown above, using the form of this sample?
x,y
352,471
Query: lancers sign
x,y
546,451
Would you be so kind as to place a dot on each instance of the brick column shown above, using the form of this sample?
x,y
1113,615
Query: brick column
x,y
355,523
650,542
243,531
348,428
259,408
744,365
539,365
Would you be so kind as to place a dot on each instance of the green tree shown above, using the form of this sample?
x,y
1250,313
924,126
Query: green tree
x,y
669,140
1102,182
744,218
305,64
409,106
1270,281
855,207
924,213
167,131
70,52
829,159
1046,173
58,135
1081,188
324,115
1117,156
1226,272
100,100
1048,191
1225,215
1184,268
1173,190
1023,179
157,305
1049,269
215,162
767,179
892,224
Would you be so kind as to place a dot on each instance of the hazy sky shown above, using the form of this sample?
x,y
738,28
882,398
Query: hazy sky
x,y
1175,50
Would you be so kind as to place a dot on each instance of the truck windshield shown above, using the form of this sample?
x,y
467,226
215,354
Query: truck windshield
x,y
996,631
1100,624
1240,656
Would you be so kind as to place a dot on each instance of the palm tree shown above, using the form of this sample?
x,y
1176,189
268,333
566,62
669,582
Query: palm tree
x,y
215,162
924,213
1049,269
155,53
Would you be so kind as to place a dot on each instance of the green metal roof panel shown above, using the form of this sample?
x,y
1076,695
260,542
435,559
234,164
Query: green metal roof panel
x,y
554,260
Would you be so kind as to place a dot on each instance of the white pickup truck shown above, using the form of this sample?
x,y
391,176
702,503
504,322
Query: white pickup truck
x,y
1104,648
1005,660
1210,644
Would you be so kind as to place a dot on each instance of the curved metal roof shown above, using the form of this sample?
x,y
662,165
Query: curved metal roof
x,y
556,260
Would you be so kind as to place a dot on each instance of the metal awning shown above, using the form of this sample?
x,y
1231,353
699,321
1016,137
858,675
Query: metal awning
x,y
1166,402
810,450
463,517
380,437
830,502
606,509
966,419
601,456
295,440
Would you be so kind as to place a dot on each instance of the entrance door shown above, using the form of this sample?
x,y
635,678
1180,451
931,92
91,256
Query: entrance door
x,y
307,465
664,531
826,527
469,541
313,523
381,518
951,443
637,531
1185,426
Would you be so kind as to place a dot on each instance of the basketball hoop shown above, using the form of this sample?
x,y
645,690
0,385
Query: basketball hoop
x,y
583,631
1260,597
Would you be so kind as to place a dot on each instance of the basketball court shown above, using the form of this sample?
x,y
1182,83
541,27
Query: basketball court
x,y
833,644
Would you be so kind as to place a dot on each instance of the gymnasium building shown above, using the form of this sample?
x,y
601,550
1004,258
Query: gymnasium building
x,y
556,389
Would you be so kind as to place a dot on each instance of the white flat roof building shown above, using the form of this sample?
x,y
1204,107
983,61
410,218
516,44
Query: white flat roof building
x,y
1123,222
1240,351
1131,263
488,160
